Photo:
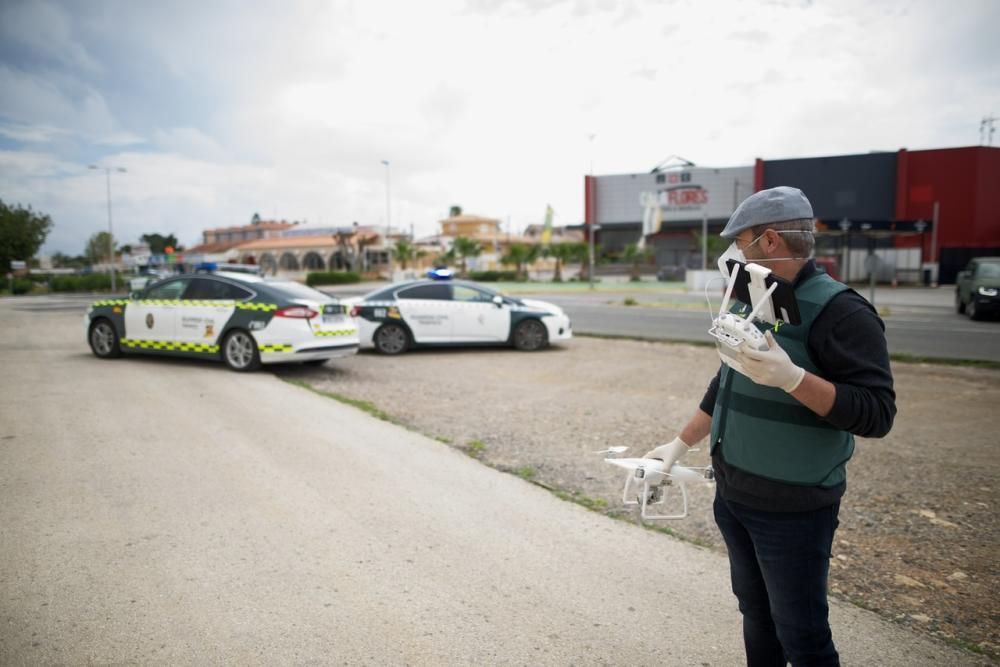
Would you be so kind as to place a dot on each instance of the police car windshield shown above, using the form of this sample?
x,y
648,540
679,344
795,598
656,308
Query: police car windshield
x,y
297,290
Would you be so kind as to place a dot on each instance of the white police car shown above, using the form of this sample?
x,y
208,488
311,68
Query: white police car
x,y
243,319
428,313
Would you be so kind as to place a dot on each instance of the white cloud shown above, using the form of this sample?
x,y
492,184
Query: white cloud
x,y
288,110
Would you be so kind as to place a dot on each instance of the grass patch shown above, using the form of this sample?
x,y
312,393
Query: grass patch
x,y
595,504
606,287
526,473
441,438
968,646
646,339
364,406
475,448
629,301
943,361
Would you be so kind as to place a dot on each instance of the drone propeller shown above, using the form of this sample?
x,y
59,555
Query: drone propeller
x,y
612,450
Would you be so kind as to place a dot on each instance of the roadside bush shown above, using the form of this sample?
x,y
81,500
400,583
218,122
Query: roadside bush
x,y
91,282
493,276
332,278
20,286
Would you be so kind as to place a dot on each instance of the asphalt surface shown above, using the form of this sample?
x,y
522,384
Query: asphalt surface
x,y
920,322
169,512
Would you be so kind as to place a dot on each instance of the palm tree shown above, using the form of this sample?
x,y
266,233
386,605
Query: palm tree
x,y
465,248
636,256
520,254
444,259
563,253
404,252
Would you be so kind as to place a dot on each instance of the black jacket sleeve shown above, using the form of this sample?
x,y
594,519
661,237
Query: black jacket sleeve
x,y
847,343
707,404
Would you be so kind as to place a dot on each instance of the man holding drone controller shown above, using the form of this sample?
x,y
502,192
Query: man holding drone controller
x,y
783,430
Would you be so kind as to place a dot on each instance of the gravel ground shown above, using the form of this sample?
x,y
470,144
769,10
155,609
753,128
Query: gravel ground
x,y
918,539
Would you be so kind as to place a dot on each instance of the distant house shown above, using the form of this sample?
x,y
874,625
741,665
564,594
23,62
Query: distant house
x,y
218,244
264,229
471,227
349,248
559,234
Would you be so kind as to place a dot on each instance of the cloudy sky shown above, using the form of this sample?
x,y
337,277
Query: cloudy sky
x,y
218,110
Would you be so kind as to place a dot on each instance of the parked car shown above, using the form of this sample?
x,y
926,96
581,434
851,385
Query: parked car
x,y
436,312
977,289
242,319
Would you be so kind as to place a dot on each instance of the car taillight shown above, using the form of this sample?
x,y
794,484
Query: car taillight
x,y
355,311
300,312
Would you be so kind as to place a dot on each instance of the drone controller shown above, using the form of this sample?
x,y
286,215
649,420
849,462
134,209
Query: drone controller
x,y
733,332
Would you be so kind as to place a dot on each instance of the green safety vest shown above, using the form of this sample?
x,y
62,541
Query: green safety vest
x,y
763,430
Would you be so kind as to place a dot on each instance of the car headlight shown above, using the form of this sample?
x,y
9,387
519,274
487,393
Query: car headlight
x,y
988,291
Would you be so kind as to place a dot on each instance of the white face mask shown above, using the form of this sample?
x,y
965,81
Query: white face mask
x,y
734,252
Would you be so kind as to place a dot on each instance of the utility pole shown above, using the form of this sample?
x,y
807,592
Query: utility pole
x,y
593,214
388,219
111,242
986,130
934,241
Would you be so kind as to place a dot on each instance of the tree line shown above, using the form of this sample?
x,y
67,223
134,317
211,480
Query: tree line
x,y
23,231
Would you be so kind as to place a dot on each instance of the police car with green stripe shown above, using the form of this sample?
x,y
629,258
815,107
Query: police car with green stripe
x,y
243,319
431,313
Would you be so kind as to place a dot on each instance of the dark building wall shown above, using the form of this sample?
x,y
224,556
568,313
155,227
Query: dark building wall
x,y
856,187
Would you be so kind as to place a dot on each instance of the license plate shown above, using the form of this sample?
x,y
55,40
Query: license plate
x,y
330,319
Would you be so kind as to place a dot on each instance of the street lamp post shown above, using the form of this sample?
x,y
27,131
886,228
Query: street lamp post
x,y
111,242
593,214
388,218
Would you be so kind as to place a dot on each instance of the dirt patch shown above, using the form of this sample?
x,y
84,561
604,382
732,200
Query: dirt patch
x,y
918,539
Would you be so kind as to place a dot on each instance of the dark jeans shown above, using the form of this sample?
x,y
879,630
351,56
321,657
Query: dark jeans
x,y
779,562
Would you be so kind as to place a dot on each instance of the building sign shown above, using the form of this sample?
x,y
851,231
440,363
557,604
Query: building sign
x,y
680,195
678,198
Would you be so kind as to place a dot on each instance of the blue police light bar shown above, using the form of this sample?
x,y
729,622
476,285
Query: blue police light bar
x,y
206,266
440,274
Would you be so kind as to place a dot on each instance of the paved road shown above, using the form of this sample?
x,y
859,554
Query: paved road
x,y
924,331
167,512
919,321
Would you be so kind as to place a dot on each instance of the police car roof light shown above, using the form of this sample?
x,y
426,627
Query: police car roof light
x,y
206,266
440,274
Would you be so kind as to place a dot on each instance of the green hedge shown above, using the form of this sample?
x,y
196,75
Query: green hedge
x,y
90,282
332,278
21,285
493,276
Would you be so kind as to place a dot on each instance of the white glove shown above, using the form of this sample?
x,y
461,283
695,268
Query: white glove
x,y
668,453
772,367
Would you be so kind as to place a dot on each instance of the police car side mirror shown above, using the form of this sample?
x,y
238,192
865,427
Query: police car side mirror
x,y
498,300
134,296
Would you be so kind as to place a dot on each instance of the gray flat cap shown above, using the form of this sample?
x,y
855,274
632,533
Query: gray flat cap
x,y
778,204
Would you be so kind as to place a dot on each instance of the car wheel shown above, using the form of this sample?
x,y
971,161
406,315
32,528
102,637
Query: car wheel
x,y
959,306
971,310
239,351
104,340
391,339
530,335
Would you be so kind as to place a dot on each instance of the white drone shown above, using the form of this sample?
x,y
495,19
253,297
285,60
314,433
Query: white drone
x,y
653,477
